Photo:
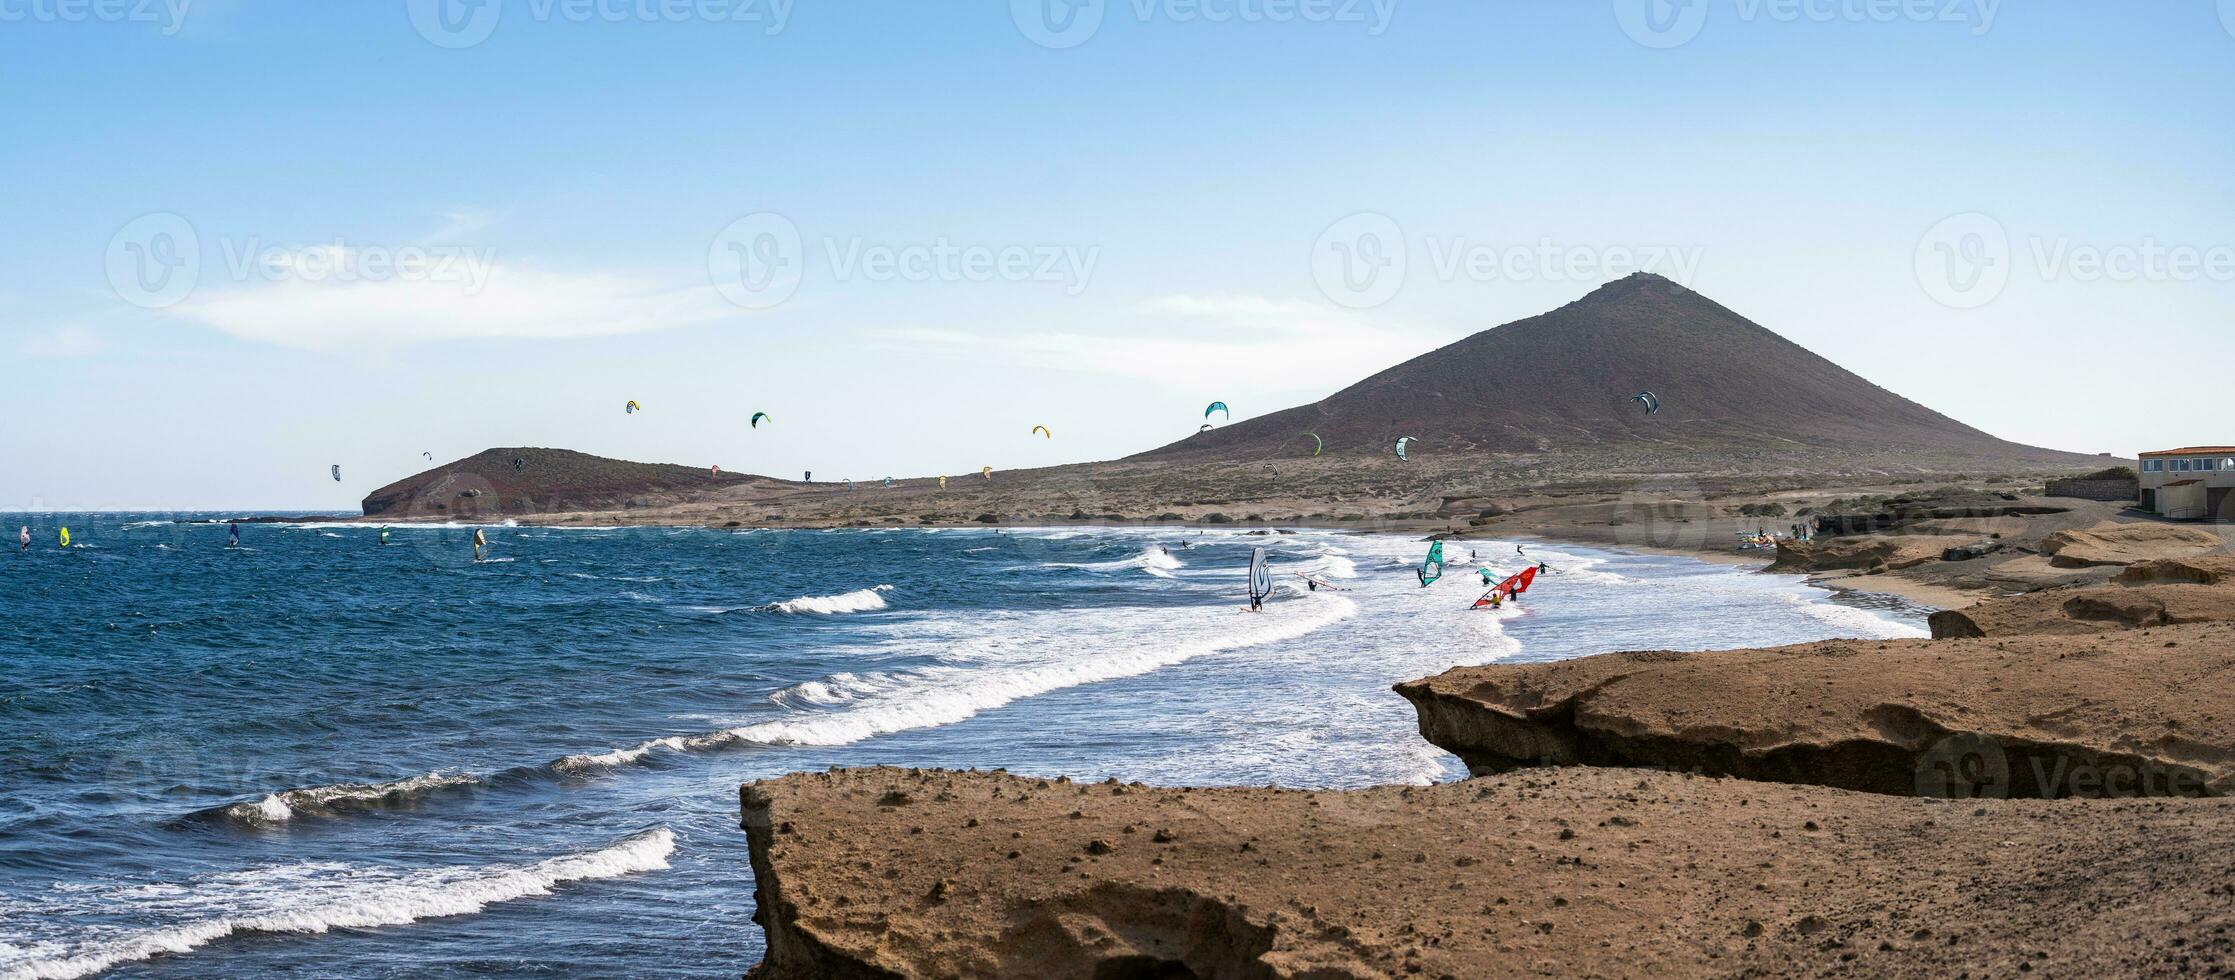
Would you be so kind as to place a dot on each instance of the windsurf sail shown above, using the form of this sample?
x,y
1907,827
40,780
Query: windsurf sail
x,y
1318,584
65,537
1432,568
1260,577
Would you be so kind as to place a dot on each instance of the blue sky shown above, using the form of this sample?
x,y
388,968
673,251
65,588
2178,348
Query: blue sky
x,y
956,221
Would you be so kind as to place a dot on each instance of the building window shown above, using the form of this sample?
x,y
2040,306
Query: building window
x,y
2207,464
2180,466
2153,466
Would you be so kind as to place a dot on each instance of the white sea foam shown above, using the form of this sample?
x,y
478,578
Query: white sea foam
x,y
1152,559
844,687
1857,622
1045,654
317,898
859,600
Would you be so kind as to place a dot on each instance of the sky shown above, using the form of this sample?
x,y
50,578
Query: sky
x,y
245,240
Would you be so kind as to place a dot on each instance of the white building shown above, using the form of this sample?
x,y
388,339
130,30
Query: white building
x,y
2189,484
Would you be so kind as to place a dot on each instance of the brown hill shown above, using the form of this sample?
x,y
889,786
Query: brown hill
x,y
508,482
1562,382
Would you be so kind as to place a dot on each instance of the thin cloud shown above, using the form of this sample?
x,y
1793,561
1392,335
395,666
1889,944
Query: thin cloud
x,y
510,302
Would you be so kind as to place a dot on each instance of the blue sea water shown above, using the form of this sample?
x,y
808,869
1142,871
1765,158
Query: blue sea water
x,y
317,755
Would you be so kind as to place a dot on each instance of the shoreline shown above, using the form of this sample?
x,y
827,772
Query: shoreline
x,y
1929,596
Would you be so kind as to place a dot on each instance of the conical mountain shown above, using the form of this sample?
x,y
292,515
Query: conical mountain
x,y
1563,382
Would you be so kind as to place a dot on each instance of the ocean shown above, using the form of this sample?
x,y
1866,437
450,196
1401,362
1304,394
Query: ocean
x,y
316,755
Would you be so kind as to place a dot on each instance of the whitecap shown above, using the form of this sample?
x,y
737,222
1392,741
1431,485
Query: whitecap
x,y
318,898
859,600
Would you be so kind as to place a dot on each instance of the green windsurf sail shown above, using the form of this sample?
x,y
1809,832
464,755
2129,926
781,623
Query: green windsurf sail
x,y
1432,569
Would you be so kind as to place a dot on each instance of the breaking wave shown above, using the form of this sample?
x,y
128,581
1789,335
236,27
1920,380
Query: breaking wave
x,y
944,695
318,898
859,600
339,797
1152,559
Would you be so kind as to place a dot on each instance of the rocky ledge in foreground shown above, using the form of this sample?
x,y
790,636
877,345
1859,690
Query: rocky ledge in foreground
x,y
2143,712
892,873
